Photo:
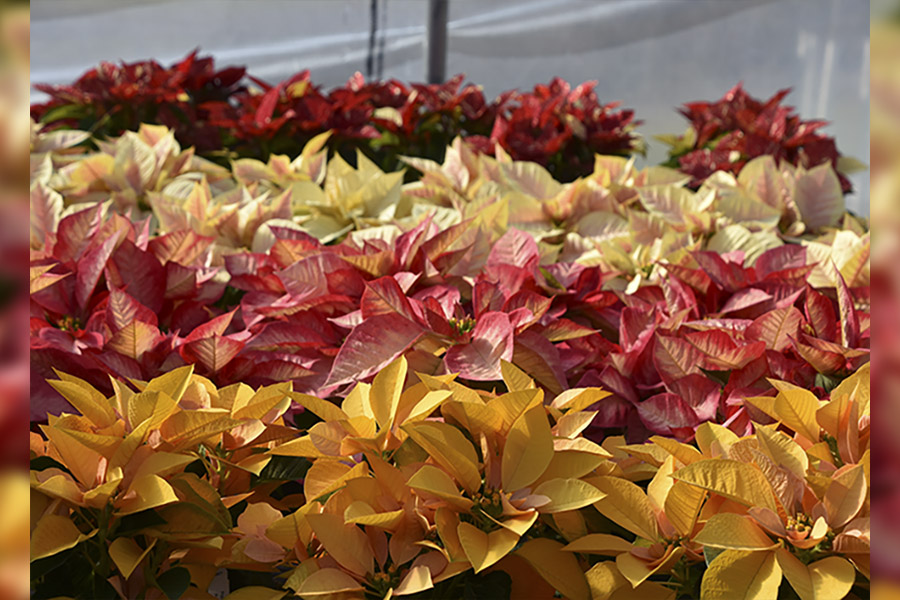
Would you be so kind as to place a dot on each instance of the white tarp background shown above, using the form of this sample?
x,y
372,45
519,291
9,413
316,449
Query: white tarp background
x,y
652,55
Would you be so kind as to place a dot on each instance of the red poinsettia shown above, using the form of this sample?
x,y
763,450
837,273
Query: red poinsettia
x,y
214,111
107,298
695,347
117,98
727,133
561,128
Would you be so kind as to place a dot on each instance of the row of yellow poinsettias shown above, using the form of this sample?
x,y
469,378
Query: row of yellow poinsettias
x,y
418,483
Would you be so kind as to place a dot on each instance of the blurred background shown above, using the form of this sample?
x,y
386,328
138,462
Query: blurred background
x,y
652,55
885,204
14,370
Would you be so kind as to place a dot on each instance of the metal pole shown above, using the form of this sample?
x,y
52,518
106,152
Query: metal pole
x,y
373,28
436,42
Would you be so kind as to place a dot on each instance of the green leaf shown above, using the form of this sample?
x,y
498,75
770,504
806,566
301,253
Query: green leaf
x,y
67,111
284,468
45,462
174,582
131,524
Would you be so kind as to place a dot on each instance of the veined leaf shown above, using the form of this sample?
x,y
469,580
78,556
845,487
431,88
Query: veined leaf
x,y
134,339
796,408
53,534
150,491
741,482
90,268
188,427
783,450
391,334
637,571
627,505
127,555
82,461
213,352
683,452
263,401
174,383
323,409
775,328
675,358
87,400
742,575
384,296
434,481
567,494
576,399
528,450
682,506
384,395
41,279
845,496
737,532
152,406
479,360
819,197
347,544
449,448
514,378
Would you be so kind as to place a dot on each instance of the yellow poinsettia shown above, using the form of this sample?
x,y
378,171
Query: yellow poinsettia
x,y
127,455
369,419
797,507
526,469
452,492
125,169
663,520
417,482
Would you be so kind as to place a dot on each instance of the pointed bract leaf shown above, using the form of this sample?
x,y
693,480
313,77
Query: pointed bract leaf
x,y
741,482
371,345
449,448
567,494
483,549
741,575
626,505
528,450
384,395
479,360
737,532
819,197
775,327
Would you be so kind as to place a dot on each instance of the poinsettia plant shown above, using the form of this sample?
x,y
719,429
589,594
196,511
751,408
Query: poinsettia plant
x,y
111,99
725,134
619,217
678,353
694,348
125,490
416,485
223,116
590,291
90,314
